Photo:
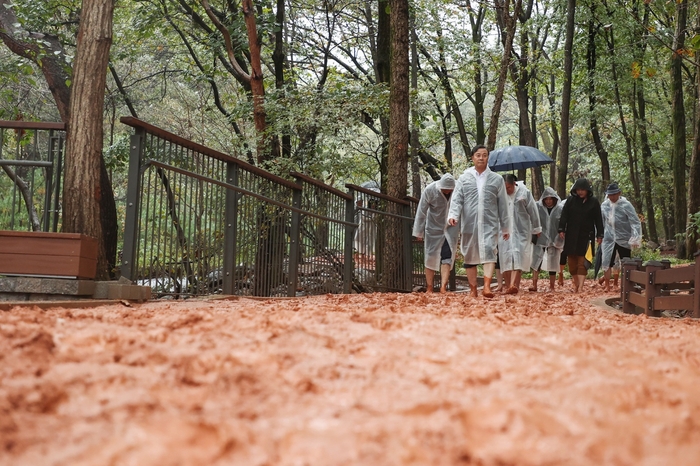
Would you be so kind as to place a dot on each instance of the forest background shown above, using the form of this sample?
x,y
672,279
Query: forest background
x,y
348,91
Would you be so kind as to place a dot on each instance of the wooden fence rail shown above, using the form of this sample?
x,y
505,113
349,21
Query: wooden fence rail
x,y
656,287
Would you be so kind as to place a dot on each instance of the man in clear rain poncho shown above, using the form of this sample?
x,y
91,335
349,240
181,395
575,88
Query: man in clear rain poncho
x,y
546,254
515,254
430,225
623,230
480,206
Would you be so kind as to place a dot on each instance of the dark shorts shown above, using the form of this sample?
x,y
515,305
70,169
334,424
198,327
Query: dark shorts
x,y
445,253
562,259
622,252
498,262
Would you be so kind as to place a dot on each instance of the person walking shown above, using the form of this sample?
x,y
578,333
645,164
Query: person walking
x,y
479,206
546,254
430,225
515,254
580,222
623,230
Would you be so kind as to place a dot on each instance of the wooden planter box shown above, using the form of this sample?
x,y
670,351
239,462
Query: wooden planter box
x,y
48,254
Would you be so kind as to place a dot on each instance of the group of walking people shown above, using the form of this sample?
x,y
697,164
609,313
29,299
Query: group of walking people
x,y
495,222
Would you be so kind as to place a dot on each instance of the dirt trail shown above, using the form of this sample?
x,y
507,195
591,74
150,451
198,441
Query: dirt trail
x,y
386,379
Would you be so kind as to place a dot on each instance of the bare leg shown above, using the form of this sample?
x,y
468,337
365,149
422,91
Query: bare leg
x,y
578,282
499,280
488,273
444,277
606,279
507,277
552,280
535,278
518,274
616,276
429,280
471,277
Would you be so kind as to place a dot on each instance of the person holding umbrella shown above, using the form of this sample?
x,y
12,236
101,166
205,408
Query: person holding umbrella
x,y
623,230
480,206
547,251
580,221
430,225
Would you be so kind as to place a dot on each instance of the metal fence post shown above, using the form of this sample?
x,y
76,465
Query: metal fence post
x,y
348,264
408,247
230,231
294,243
696,284
133,200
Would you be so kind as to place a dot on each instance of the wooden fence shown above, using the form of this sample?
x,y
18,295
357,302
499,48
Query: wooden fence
x,y
657,287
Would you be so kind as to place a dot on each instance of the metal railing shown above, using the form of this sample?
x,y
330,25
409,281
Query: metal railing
x,y
31,155
199,222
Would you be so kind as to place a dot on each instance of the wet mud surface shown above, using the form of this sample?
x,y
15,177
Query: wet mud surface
x,y
386,379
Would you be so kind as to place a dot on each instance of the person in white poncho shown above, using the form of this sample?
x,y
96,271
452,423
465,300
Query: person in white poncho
x,y
515,254
430,225
623,230
546,254
480,206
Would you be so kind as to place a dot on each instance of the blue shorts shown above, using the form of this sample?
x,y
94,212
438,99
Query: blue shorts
x,y
445,253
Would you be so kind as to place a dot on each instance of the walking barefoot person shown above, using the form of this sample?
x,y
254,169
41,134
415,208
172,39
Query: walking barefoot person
x,y
480,206
623,230
547,252
580,218
430,225
516,254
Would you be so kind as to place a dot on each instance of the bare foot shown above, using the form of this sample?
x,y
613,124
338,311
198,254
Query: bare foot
x,y
487,294
512,290
429,290
532,288
443,290
474,293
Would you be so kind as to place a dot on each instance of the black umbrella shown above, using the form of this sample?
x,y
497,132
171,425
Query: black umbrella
x,y
517,157
598,262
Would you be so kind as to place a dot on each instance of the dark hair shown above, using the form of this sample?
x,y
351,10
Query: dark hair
x,y
510,178
476,148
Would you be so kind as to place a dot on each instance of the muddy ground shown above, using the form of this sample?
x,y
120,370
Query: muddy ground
x,y
379,379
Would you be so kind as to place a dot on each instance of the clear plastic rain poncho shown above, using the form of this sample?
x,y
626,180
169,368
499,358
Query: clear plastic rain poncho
x,y
622,226
516,253
480,216
547,251
431,220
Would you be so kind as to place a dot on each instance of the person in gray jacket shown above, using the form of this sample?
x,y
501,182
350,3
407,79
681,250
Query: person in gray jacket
x,y
623,230
547,251
430,225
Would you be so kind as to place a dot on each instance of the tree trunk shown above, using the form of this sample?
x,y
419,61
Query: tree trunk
x,y
678,159
82,194
563,169
279,59
415,139
509,24
694,173
640,111
257,85
383,76
398,139
593,121
636,197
